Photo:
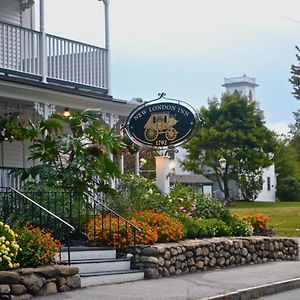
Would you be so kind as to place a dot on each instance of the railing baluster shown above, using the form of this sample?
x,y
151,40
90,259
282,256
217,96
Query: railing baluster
x,y
55,210
94,220
118,233
7,50
60,76
79,209
102,218
71,207
63,205
82,58
12,48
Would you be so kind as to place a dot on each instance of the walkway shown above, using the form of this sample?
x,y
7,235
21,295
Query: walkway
x,y
192,286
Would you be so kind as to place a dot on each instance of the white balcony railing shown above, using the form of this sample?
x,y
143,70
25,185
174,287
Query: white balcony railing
x,y
67,60
243,78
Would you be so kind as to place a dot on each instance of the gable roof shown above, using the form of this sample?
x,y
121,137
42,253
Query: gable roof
x,y
192,179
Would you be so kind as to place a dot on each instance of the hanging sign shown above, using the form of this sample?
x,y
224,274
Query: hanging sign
x,y
160,124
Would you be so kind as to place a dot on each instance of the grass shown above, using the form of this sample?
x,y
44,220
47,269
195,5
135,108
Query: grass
x,y
285,216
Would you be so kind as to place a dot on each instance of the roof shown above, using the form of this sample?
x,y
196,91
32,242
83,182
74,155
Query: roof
x,y
193,179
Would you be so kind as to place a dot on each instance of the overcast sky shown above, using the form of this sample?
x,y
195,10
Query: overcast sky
x,y
185,48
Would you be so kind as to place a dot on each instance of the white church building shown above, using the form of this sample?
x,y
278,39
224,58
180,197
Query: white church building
x,y
245,86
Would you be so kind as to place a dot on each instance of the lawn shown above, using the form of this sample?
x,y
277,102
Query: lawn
x,y
285,216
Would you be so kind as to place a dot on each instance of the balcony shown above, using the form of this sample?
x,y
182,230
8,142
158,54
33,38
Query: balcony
x,y
28,53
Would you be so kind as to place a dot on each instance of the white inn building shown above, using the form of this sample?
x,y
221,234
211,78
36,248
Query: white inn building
x,y
41,73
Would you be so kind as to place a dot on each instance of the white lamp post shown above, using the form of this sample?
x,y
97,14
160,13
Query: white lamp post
x,y
223,164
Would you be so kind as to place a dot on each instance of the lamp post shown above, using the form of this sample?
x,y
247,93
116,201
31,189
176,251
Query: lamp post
x,y
223,165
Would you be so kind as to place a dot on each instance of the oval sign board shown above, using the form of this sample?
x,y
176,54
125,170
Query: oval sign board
x,y
162,124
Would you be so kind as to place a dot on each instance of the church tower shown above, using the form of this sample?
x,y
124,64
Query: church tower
x,y
243,85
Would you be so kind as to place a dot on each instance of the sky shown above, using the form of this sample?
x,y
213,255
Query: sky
x,y
185,48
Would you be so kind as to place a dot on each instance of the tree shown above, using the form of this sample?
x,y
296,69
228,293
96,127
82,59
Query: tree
x,y
295,134
232,128
295,78
288,161
73,152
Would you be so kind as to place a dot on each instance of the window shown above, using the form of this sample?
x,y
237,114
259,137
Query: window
x,y
250,95
269,183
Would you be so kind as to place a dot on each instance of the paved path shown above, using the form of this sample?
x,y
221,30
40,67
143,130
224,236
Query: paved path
x,y
191,286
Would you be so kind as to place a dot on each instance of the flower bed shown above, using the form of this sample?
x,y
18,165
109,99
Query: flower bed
x,y
162,260
28,282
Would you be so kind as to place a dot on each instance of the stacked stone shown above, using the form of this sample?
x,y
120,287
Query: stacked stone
x,y
162,260
23,284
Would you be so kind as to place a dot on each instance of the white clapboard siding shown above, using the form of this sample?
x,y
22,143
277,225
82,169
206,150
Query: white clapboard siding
x,y
10,12
27,162
13,154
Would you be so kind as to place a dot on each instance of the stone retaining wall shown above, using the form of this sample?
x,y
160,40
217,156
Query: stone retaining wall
x,y
22,284
161,260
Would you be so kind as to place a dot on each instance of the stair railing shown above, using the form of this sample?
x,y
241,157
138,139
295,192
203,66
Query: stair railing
x,y
105,210
76,212
16,205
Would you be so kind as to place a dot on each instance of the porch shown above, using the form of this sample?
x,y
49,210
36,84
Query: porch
x,y
52,59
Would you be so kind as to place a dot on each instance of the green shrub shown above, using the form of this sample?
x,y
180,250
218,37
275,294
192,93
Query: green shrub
x,y
137,193
239,227
212,228
208,208
288,189
181,200
190,226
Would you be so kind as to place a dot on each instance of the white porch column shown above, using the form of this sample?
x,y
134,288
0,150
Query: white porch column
x,y
111,120
121,160
107,46
162,173
137,163
43,43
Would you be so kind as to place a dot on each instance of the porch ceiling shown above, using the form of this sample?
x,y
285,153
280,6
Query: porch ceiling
x,y
12,88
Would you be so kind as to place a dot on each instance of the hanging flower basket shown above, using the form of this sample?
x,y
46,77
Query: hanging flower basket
x,y
11,129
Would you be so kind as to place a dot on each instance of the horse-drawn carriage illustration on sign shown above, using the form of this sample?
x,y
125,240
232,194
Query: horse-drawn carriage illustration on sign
x,y
160,123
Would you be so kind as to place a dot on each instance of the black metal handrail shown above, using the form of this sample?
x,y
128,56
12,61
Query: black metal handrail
x,y
79,212
17,205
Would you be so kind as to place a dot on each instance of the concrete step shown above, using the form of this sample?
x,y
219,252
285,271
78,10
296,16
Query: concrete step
x,y
101,265
81,253
99,278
